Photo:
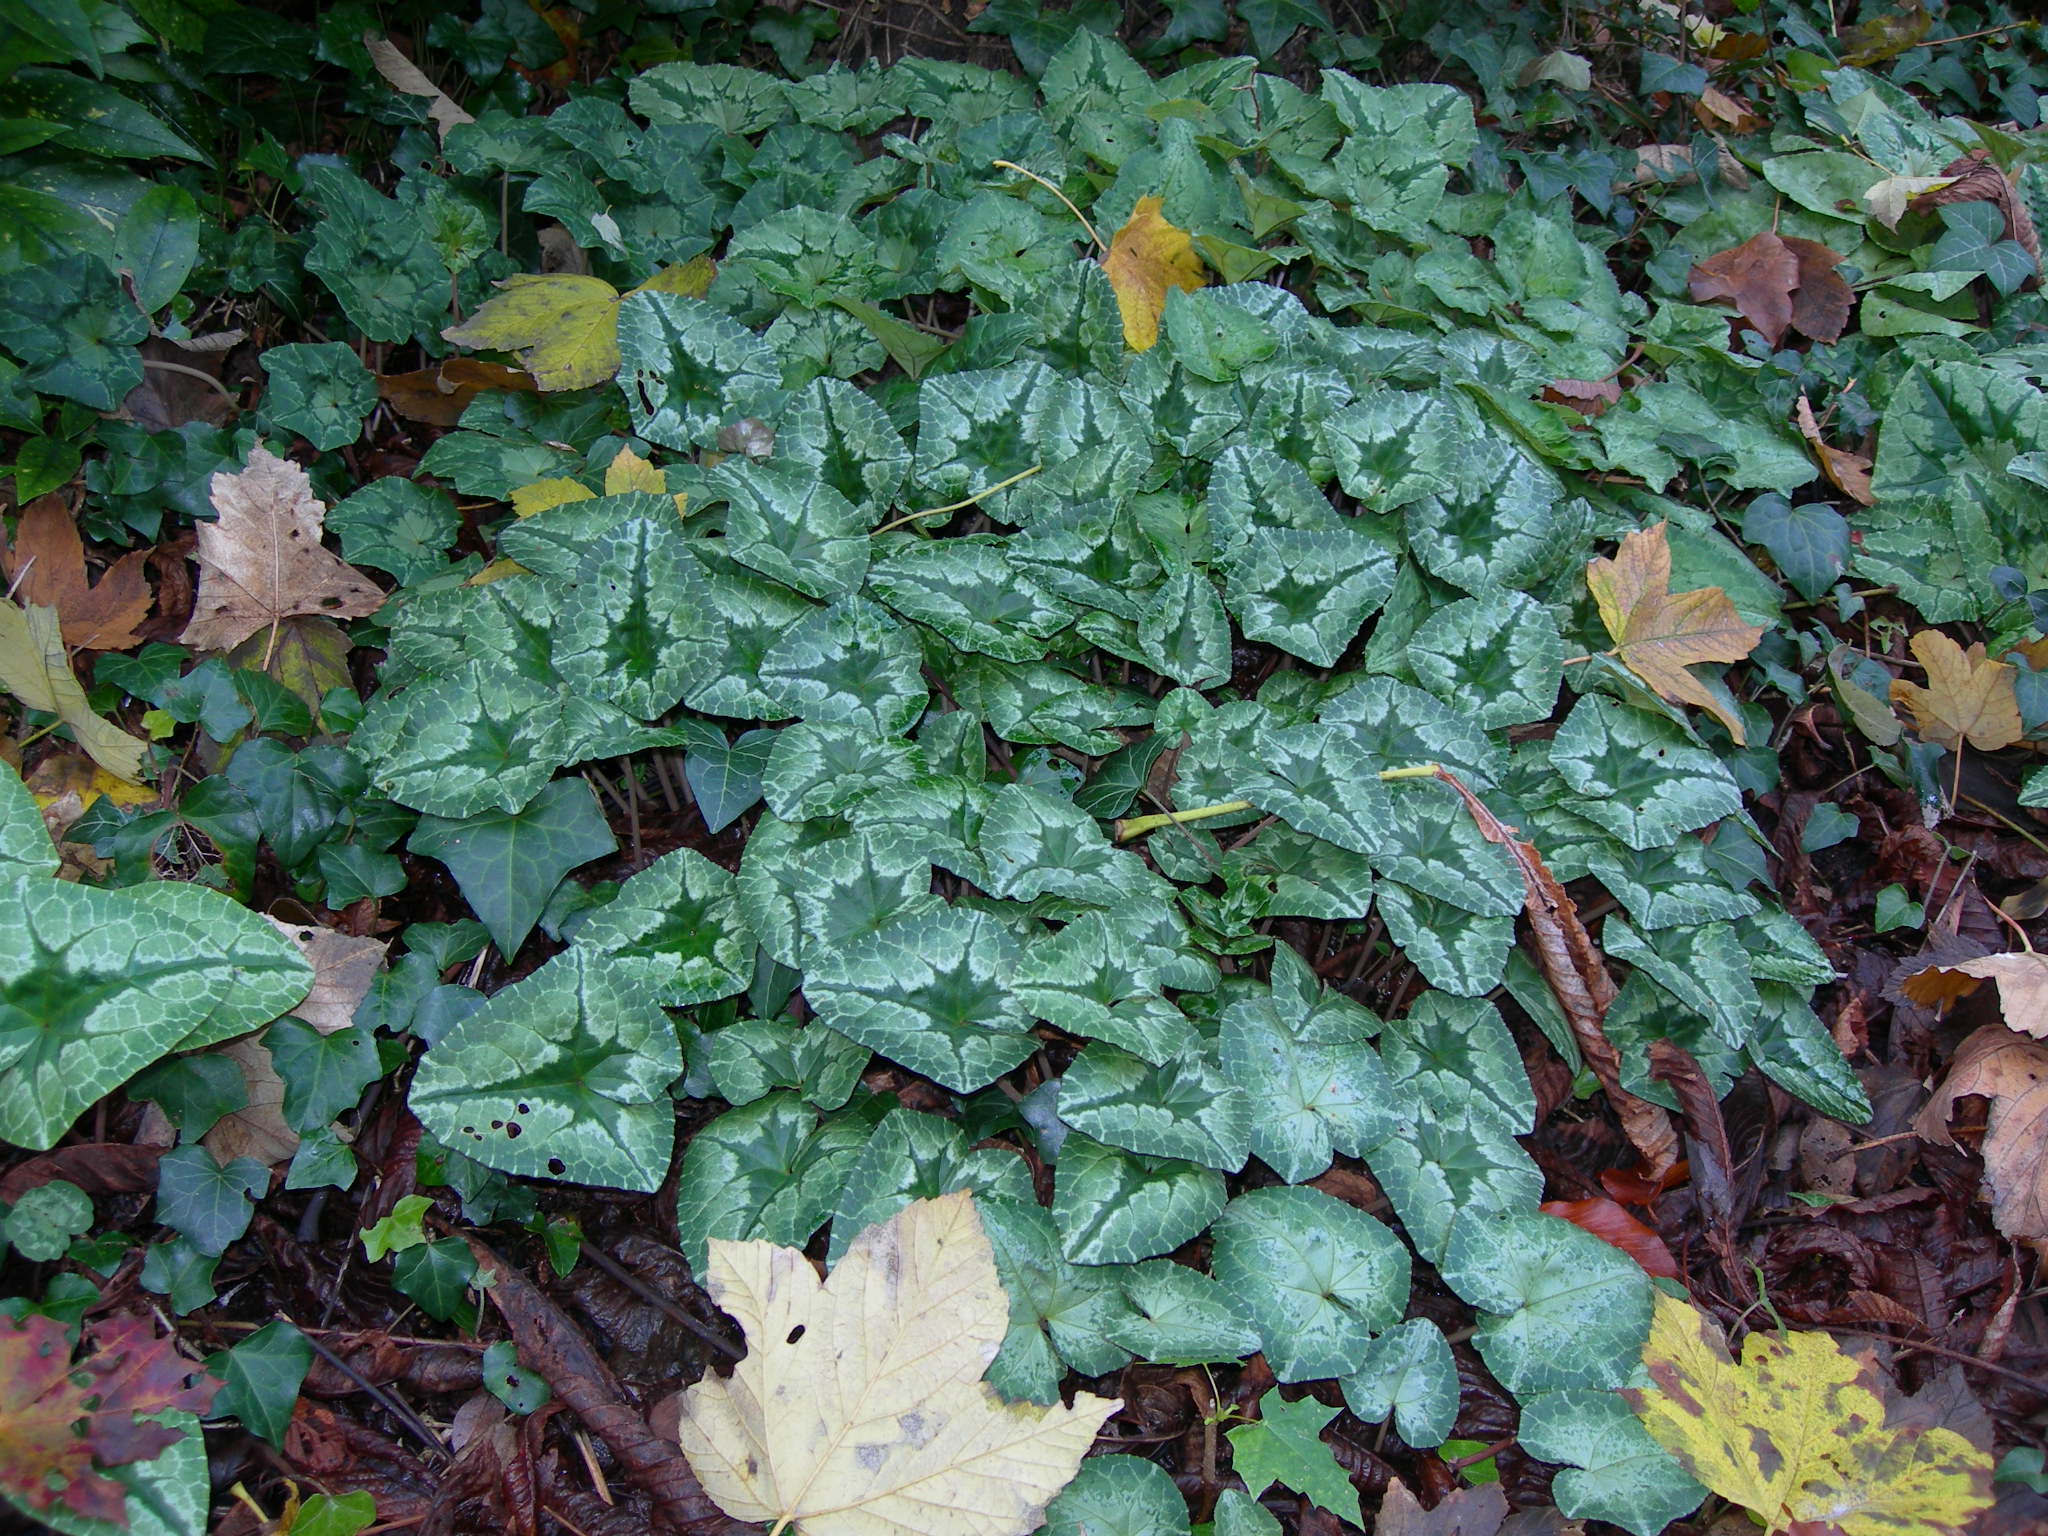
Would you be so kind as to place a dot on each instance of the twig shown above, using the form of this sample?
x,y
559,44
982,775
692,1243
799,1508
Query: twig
x,y
1000,485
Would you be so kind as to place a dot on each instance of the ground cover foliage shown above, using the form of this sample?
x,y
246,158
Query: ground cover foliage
x,y
1381,678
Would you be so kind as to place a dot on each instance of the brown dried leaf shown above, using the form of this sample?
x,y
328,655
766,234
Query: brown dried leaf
x,y
1476,1511
1823,299
262,561
95,617
1848,472
1757,277
439,395
1577,973
1658,633
1966,697
1589,397
1718,112
2013,1074
402,75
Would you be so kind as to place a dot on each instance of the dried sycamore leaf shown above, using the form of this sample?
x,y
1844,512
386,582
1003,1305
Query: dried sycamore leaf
x,y
261,559
2022,987
62,1424
34,668
46,565
406,77
1966,697
1658,633
860,1409
1145,258
1886,201
1848,472
2013,1074
565,325
1797,1432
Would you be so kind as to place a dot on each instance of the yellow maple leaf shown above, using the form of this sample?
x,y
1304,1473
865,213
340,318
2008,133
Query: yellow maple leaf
x,y
1659,633
1966,698
565,325
1796,1432
860,1409
629,472
1145,258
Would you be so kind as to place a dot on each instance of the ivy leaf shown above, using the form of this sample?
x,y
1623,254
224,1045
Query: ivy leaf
x,y
1966,697
565,325
1659,634
1146,258
901,1330
1797,1431
205,1203
509,862
1285,1446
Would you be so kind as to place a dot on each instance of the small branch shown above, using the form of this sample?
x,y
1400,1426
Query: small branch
x,y
1011,165
1000,485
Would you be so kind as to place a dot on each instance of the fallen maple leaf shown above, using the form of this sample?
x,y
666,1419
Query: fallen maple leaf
x,y
565,325
34,668
2013,1074
261,560
1778,283
2022,980
1145,258
440,394
60,1422
46,564
1659,633
1848,472
860,1406
1966,697
1796,1432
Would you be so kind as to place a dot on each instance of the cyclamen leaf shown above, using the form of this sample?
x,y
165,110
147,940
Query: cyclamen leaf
x,y
915,1156
1316,1277
562,1075
1114,1208
1182,1317
1797,1431
1614,1470
1658,634
770,1169
1407,1372
771,1446
1184,1108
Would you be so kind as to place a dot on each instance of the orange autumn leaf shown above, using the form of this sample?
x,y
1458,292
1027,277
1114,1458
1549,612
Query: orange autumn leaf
x,y
2012,1073
1145,258
1848,472
1659,633
1967,697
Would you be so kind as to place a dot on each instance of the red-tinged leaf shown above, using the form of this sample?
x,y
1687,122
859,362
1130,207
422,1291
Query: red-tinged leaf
x,y
1636,1185
1611,1224
61,1423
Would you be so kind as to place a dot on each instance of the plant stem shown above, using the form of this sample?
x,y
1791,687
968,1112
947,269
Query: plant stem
x,y
1000,485
1129,827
